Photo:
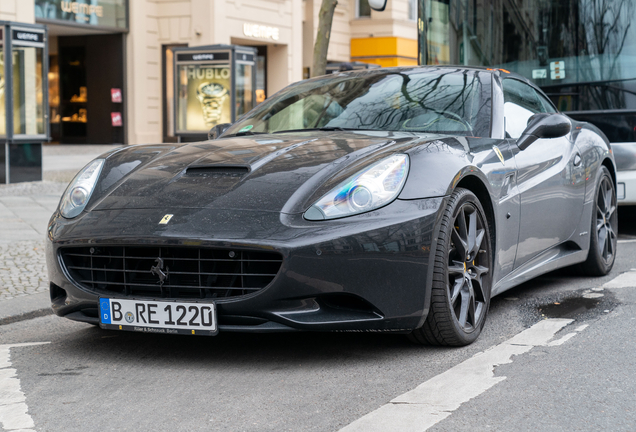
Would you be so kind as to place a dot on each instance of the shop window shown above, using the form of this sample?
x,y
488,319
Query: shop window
x,y
74,93
54,97
363,10
244,89
28,108
168,91
3,114
261,74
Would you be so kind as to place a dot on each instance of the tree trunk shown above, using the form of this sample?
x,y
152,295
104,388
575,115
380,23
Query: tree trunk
x,y
325,18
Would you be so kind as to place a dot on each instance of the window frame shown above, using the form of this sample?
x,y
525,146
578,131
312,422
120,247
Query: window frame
x,y
412,5
358,10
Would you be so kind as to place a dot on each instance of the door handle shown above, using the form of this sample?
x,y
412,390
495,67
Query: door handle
x,y
577,160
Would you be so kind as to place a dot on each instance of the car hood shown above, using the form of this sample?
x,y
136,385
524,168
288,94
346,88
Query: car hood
x,y
265,172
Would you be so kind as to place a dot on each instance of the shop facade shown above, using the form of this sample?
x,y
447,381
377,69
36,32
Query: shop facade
x,y
582,53
86,69
112,63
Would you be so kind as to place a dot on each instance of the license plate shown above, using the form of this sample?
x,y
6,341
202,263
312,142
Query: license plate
x,y
158,316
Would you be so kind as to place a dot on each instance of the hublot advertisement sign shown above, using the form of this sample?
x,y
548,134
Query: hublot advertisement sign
x,y
97,13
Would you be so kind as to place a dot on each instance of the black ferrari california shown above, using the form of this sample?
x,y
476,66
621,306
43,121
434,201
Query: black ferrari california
x,y
394,200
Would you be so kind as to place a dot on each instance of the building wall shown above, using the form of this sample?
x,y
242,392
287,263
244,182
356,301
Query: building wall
x,y
154,23
387,38
17,10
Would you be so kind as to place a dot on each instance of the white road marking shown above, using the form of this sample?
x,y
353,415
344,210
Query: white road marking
x,y
627,241
14,415
431,402
562,340
625,280
568,336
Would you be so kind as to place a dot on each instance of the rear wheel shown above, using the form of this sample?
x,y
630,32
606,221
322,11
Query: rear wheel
x,y
602,253
461,276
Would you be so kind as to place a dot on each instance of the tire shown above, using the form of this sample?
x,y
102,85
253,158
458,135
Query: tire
x,y
604,227
462,275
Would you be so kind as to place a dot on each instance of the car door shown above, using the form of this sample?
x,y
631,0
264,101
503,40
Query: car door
x,y
551,198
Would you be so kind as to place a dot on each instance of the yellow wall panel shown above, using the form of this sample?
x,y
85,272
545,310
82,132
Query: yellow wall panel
x,y
385,51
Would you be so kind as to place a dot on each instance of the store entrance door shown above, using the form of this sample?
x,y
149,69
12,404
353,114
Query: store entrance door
x,y
88,107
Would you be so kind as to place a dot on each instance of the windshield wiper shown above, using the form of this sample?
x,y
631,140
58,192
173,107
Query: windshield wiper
x,y
324,128
245,133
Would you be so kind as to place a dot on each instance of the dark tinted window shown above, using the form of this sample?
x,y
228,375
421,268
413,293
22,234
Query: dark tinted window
x,y
609,95
617,127
363,8
547,106
523,95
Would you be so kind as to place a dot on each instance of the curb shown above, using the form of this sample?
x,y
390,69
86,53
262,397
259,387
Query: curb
x,y
26,316
25,308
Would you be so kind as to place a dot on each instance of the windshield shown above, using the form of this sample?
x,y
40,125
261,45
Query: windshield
x,y
437,101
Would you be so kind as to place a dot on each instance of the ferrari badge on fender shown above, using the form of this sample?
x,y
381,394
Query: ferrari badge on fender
x,y
499,155
165,219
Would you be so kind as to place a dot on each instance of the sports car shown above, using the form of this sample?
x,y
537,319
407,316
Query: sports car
x,y
393,200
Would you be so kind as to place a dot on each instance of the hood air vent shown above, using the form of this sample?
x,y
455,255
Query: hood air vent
x,y
230,170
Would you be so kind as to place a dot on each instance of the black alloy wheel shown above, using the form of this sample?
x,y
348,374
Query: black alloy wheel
x,y
604,229
462,275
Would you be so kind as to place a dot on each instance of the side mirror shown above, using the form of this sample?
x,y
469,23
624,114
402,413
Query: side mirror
x,y
217,130
378,5
544,126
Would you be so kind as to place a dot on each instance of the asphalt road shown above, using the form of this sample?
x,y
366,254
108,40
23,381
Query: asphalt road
x,y
91,379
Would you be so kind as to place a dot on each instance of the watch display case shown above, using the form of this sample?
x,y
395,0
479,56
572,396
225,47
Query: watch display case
x,y
23,100
214,84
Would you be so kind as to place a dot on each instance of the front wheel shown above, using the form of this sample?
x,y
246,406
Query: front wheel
x,y
603,240
462,275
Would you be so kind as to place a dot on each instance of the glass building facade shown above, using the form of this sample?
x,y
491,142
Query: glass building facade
x,y
582,53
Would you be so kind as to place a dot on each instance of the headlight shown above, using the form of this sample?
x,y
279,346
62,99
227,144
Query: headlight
x,y
370,189
80,189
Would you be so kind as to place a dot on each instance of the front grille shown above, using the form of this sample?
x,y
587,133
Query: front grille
x,y
170,272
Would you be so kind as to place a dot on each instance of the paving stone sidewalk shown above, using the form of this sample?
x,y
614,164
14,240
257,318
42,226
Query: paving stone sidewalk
x,y
22,269
25,209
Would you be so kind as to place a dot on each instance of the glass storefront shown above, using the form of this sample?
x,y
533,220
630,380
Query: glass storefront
x,y
28,107
213,85
23,101
204,96
24,109
86,75
582,53
244,89
102,13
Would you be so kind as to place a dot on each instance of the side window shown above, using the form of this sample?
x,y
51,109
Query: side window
x,y
520,102
362,9
547,105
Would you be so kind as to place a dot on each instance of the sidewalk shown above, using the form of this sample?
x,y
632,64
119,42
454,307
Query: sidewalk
x,y
25,209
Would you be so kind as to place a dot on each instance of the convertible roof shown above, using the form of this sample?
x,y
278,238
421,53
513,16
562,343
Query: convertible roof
x,y
494,71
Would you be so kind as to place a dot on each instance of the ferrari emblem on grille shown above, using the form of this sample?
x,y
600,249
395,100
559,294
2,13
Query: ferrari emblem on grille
x,y
165,219
158,271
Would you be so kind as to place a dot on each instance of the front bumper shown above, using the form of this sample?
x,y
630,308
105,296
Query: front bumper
x,y
362,273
